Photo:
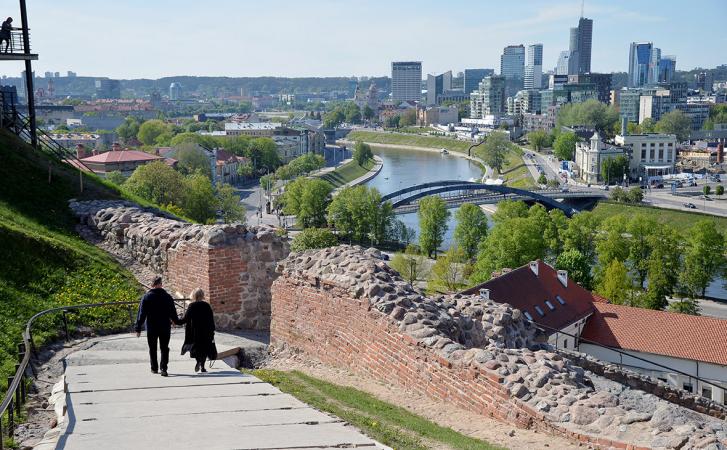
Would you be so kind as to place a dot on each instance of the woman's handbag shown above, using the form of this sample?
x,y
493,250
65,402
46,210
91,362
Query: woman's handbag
x,y
212,352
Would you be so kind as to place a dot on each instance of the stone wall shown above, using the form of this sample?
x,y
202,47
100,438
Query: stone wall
x,y
347,308
234,264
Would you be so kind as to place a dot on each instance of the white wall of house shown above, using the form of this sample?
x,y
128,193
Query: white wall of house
x,y
564,339
707,371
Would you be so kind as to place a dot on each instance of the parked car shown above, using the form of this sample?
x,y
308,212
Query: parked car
x,y
690,206
659,186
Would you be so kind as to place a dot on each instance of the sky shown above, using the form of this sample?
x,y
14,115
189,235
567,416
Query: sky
x,y
296,38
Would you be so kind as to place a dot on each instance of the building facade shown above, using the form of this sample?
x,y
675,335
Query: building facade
x,y
175,91
643,64
590,157
534,67
652,154
443,115
472,78
581,38
406,81
437,85
489,99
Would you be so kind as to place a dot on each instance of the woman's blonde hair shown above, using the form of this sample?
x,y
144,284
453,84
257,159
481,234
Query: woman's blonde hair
x,y
197,294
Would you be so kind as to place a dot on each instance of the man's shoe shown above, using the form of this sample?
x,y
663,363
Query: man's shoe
x,y
196,367
203,370
154,371
164,373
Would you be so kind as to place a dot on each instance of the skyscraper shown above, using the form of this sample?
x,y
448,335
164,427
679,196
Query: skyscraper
x,y
512,62
563,63
175,91
106,88
436,85
581,38
472,78
667,67
534,67
641,60
406,81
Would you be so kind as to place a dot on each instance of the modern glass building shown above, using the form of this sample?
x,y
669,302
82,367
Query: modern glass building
x,y
667,67
534,67
640,61
512,62
406,81
472,78
581,38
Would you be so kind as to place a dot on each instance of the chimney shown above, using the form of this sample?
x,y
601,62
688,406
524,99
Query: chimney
x,y
156,151
80,151
116,147
534,267
624,126
563,277
484,294
720,153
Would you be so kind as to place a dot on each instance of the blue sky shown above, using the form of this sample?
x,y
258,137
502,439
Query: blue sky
x,y
154,38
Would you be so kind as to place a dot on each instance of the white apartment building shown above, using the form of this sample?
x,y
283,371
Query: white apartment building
x,y
652,154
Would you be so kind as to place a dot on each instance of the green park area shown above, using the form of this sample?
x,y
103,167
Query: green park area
x,y
680,220
347,172
414,140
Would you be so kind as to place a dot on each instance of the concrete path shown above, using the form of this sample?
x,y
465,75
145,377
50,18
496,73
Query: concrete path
x,y
114,401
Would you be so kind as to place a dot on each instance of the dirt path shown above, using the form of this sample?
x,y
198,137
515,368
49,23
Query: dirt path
x,y
467,423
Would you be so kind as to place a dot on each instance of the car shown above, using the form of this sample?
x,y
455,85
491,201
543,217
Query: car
x,y
564,189
690,206
659,186
605,187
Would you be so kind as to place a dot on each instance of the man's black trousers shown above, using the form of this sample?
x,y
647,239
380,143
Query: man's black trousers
x,y
163,339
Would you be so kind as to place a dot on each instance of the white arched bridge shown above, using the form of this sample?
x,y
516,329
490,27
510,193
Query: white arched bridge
x,y
456,192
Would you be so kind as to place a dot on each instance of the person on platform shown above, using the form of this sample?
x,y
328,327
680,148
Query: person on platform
x,y
157,310
5,30
199,333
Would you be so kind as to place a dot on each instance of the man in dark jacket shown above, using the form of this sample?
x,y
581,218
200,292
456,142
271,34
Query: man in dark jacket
x,y
158,311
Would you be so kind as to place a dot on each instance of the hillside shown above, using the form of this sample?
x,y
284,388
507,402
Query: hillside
x,y
43,262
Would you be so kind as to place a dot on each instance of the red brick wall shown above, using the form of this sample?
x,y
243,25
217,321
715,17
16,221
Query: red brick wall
x,y
188,269
328,324
225,268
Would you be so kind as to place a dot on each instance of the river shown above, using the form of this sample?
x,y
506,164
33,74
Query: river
x,y
404,168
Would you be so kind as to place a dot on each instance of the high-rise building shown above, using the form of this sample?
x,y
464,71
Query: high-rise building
x,y
436,85
107,88
654,65
512,62
406,81
534,67
581,38
704,81
489,98
175,91
563,63
71,74
667,67
472,78
642,57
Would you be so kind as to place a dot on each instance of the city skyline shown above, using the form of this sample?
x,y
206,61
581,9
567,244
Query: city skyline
x,y
324,38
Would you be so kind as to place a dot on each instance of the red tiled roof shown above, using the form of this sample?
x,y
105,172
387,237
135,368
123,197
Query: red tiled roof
x,y
524,290
121,156
658,332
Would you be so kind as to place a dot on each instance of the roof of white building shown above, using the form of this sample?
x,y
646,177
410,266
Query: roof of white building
x,y
244,126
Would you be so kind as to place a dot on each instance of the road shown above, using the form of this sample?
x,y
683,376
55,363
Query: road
x,y
549,167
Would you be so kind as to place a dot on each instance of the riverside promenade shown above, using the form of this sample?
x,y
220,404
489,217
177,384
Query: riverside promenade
x,y
112,400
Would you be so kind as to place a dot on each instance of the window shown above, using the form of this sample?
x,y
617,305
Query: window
x,y
539,311
565,343
688,387
643,153
707,392
549,305
528,316
560,299
651,154
661,154
668,155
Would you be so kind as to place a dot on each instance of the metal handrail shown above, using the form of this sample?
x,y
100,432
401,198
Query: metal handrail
x,y
17,46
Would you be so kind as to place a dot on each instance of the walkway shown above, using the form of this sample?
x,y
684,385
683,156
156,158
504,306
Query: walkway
x,y
115,402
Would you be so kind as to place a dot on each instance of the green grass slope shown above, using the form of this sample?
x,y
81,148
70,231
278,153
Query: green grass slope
x,y
414,140
43,262
347,173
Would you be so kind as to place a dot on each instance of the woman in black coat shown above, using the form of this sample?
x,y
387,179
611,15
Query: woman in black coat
x,y
199,333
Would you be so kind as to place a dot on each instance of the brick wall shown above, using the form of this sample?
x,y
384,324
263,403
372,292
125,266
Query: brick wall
x,y
326,322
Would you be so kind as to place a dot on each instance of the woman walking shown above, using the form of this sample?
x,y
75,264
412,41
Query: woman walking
x,y
199,333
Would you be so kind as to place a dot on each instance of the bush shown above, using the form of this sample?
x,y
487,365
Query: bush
x,y
312,238
362,153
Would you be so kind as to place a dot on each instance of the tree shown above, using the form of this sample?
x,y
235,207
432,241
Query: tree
x,y
590,113
635,195
685,306
128,130
471,228
408,118
433,217
578,267
229,204
448,271
392,122
542,179
333,118
564,147
538,139
509,209
719,191
675,122
307,199
367,112
706,190
704,256
157,183
312,238
495,149
264,154
616,285
199,202
352,113
640,228
647,125
358,214
362,153
611,242
192,159
614,169
580,234
151,131
410,265
663,267
116,178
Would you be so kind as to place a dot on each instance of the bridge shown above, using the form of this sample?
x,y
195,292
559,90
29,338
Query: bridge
x,y
456,192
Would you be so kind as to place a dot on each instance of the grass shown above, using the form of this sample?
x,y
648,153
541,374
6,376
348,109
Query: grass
x,y
347,173
681,220
389,424
43,262
515,172
414,140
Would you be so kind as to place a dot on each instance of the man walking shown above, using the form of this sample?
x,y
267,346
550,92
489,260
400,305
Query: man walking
x,y
158,311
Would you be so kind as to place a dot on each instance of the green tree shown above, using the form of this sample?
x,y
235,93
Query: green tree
x,y
392,121
367,112
410,265
399,232
719,190
578,267
495,149
471,228
703,256
229,204
664,266
333,118
614,169
647,125
611,242
675,122
685,306
352,113
157,183
635,195
312,238
362,153
640,228
706,190
408,118
128,130
581,234
448,271
192,159
509,209
564,147
542,179
590,113
264,154
359,215
538,139
553,234
151,131
116,178
433,217
307,199
199,202
616,285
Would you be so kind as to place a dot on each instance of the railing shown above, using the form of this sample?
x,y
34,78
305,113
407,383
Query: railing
x,y
16,394
16,46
